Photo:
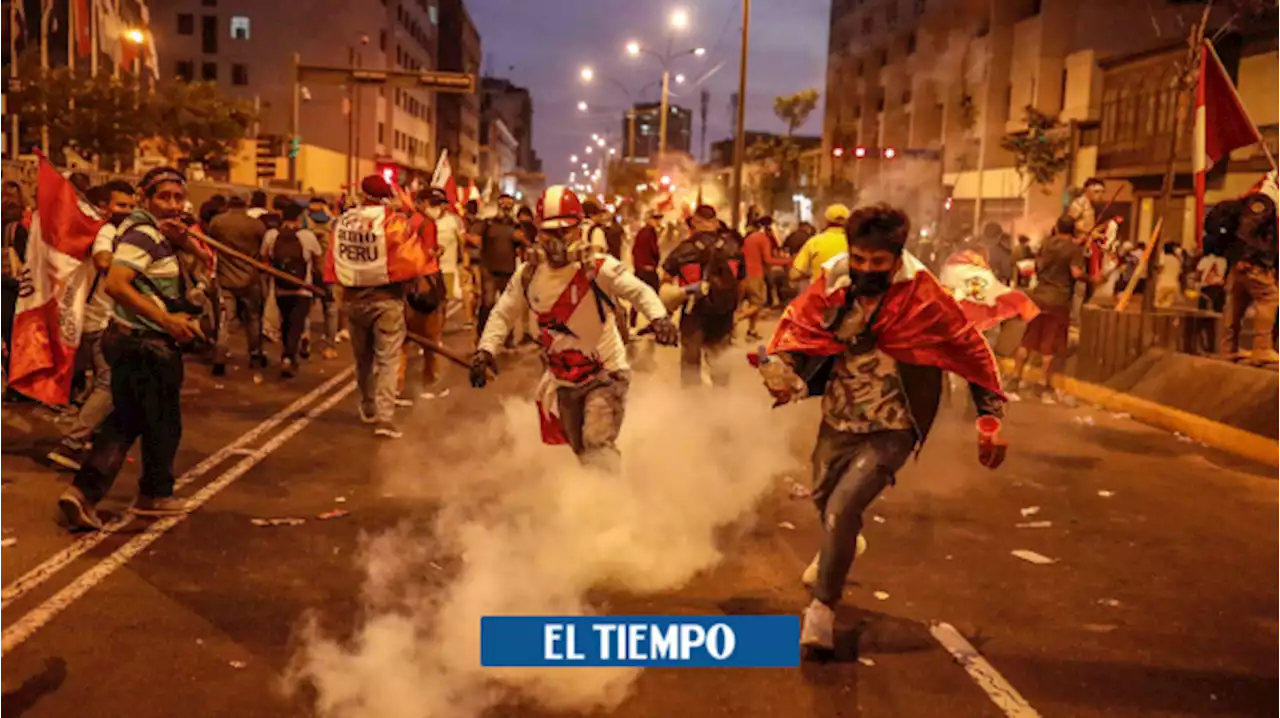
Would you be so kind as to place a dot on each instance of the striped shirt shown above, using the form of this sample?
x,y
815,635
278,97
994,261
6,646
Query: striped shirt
x,y
150,254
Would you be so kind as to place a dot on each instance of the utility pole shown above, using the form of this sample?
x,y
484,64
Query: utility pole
x,y
702,142
662,121
740,140
14,126
294,112
351,119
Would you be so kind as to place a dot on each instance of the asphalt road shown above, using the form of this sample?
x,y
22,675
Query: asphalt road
x,y
1161,600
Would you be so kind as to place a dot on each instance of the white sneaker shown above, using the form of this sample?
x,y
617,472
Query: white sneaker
x,y
810,575
817,629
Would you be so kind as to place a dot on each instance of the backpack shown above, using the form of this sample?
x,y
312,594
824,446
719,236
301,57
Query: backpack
x,y
721,296
287,254
604,304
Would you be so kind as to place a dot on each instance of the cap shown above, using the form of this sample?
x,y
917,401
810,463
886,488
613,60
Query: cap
x,y
375,186
437,195
705,211
591,207
836,213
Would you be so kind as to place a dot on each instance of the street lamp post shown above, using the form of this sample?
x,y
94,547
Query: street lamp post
x,y
740,141
679,21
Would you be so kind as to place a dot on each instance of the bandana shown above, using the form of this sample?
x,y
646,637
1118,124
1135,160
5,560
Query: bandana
x,y
162,177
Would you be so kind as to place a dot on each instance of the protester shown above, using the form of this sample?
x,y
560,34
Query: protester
x,y
425,313
873,336
320,222
1251,281
376,252
115,201
296,252
1024,263
760,256
1211,276
497,255
472,266
606,236
450,237
1060,265
257,204
15,255
211,208
152,319
797,238
239,282
707,267
1169,280
582,394
822,247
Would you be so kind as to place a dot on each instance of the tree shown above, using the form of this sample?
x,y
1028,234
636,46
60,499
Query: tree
x,y
795,109
1043,151
197,121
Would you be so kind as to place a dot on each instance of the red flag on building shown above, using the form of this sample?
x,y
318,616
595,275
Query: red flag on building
x,y
1222,124
55,284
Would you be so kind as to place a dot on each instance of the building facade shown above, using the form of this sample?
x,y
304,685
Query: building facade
x,y
458,115
345,132
500,98
955,76
647,126
499,156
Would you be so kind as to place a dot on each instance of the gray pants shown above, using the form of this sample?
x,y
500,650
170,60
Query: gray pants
x,y
244,304
377,336
98,404
592,418
849,472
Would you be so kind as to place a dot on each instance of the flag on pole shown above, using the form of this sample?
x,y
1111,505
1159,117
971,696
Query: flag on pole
x,y
1222,124
54,286
82,40
442,178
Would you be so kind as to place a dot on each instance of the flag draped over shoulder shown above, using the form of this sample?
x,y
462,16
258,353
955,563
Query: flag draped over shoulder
x,y
54,287
919,323
443,179
985,300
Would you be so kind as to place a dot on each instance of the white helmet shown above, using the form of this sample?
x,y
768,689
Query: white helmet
x,y
558,208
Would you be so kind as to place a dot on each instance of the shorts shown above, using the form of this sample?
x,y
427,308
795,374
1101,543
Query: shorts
x,y
754,291
1047,333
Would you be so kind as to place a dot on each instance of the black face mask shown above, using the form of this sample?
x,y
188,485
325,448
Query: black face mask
x,y
870,284
118,218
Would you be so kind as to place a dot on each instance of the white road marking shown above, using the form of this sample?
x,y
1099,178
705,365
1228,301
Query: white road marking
x,y
1005,696
22,629
41,573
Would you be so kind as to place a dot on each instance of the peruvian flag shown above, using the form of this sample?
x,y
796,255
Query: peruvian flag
x,y
443,178
1222,124
985,301
55,284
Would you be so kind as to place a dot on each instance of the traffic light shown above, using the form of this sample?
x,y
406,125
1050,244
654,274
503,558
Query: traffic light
x,y
837,152
890,153
859,151
295,146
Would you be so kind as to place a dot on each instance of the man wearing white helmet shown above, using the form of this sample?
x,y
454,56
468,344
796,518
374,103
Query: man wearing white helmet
x,y
572,289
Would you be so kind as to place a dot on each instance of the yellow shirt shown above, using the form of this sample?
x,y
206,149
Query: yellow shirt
x,y
820,248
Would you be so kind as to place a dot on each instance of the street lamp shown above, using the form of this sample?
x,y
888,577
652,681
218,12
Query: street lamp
x,y
679,79
135,36
588,150
573,158
599,142
582,106
679,20
595,135
587,74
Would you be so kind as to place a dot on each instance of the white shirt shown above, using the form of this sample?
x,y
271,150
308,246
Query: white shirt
x,y
97,311
256,212
449,231
587,334
1212,270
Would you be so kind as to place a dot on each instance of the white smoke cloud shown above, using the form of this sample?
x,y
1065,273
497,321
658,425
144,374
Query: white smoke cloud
x,y
524,529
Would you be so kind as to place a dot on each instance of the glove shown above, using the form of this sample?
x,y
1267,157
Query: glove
x,y
482,362
991,448
665,332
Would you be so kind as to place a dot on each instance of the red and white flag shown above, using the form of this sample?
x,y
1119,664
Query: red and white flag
x,y
986,301
1222,124
54,286
442,178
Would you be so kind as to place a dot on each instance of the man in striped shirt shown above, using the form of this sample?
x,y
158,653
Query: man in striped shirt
x,y
142,345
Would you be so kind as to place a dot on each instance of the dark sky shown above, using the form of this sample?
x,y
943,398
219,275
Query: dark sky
x,y
542,44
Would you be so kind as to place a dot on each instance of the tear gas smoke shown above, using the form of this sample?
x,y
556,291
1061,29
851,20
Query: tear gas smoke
x,y
524,529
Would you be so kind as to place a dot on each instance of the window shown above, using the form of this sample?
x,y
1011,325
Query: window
x,y
239,27
868,23
382,40
880,104
911,43
239,74
920,4
906,97
209,72
399,56
209,34
859,68
209,3
186,70
891,15
433,15
186,23
883,58
382,133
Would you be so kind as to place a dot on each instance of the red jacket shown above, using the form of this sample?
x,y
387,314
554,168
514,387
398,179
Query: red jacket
x,y
646,252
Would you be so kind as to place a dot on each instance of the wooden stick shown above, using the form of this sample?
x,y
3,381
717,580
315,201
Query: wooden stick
x,y
1142,267
262,266
431,346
